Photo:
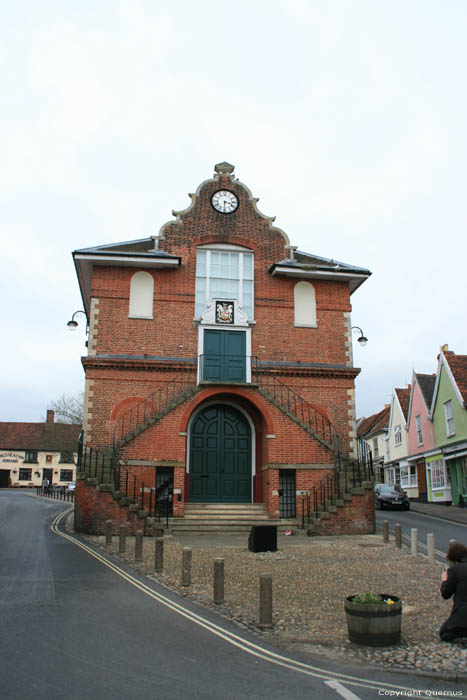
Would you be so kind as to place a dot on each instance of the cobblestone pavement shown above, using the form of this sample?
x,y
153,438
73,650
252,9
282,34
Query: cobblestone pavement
x,y
311,579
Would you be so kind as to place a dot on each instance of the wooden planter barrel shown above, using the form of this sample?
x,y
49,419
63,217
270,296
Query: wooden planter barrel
x,y
374,625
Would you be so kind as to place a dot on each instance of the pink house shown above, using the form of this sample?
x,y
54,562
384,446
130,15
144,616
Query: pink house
x,y
421,441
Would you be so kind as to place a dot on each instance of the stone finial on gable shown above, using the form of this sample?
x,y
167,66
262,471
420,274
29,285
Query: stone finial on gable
x,y
224,168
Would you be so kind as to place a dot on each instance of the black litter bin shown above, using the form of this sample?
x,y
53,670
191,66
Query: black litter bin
x,y
263,538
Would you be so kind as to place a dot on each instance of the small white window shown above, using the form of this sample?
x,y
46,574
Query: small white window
x,y
375,448
305,305
397,435
449,418
387,457
141,295
418,424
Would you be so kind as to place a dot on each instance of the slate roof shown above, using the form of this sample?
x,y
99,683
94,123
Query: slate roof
x,y
43,437
313,266
141,246
458,366
374,424
404,397
426,382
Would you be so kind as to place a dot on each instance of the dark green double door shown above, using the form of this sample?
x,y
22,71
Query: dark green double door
x,y
220,456
224,356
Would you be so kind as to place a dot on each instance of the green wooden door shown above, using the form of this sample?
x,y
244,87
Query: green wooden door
x,y
224,356
220,456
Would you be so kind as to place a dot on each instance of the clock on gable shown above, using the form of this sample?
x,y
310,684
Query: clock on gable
x,y
224,201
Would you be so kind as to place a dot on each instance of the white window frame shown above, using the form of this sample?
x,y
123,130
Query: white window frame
x,y
390,475
226,248
398,435
418,426
438,474
409,475
375,448
449,418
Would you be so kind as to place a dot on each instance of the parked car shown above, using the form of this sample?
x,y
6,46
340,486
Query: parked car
x,y
391,496
71,486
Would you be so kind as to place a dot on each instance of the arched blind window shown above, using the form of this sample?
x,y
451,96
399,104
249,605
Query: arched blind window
x,y
305,304
141,295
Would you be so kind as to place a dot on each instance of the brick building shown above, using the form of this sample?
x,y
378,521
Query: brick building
x,y
219,364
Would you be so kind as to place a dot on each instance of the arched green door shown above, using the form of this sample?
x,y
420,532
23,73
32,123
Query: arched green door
x,y
220,456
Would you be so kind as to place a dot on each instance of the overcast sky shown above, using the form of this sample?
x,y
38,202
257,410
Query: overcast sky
x,y
347,118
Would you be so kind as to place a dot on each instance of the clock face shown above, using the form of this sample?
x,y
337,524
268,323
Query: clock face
x,y
224,201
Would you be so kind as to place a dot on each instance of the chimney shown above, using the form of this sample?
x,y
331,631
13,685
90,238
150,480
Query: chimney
x,y
50,419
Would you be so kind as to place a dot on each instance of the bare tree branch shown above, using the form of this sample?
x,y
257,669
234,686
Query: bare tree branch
x,y
69,409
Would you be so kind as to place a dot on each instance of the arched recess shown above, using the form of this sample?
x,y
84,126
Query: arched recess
x,y
141,295
305,305
234,394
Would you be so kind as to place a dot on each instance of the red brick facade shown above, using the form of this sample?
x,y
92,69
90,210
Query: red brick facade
x,y
131,358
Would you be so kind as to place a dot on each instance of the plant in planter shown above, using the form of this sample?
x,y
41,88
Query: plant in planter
x,y
374,619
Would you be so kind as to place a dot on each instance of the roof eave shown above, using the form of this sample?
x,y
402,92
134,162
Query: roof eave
x,y
352,278
85,261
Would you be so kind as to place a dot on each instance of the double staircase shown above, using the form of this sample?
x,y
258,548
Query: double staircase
x,y
103,467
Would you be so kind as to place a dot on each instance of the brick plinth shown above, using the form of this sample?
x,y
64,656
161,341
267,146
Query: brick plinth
x,y
355,517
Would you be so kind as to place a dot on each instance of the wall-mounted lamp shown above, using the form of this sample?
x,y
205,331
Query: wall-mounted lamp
x,y
73,325
363,340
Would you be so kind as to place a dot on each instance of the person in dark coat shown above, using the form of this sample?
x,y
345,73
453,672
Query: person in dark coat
x,y
454,582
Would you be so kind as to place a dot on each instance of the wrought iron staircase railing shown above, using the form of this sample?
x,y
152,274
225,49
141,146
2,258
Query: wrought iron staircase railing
x,y
151,409
344,477
97,464
303,413
155,501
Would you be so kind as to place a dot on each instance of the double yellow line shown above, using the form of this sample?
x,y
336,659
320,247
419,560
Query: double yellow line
x,y
230,637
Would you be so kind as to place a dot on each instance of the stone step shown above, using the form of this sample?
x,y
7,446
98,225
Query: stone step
x,y
222,508
179,525
225,516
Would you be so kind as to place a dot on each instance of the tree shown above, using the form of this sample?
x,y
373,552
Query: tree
x,y
69,409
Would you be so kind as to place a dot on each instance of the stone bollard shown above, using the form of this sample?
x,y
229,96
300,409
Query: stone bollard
x,y
139,545
122,539
218,597
108,532
430,543
159,554
186,566
265,600
385,531
414,541
398,535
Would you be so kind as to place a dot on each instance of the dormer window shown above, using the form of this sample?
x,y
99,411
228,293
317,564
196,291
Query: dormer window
x,y
224,272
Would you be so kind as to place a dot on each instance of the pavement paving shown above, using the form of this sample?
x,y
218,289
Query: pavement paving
x,y
452,513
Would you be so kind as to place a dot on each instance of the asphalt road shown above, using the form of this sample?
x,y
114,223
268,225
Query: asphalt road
x,y
75,627
443,530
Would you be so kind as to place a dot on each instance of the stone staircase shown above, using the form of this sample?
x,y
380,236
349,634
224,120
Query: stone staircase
x,y
218,518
